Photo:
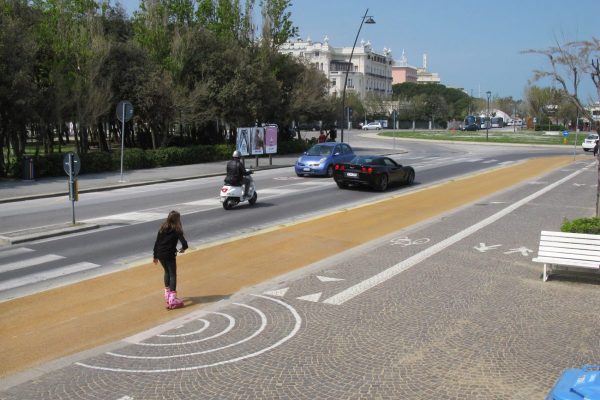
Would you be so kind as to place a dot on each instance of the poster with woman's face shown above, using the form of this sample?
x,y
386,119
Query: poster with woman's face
x,y
258,141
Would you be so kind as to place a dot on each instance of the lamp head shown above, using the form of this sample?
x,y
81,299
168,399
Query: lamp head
x,y
370,20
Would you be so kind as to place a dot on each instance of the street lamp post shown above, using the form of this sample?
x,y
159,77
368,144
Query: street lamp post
x,y
370,20
487,123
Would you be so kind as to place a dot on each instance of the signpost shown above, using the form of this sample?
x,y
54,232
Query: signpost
x,y
124,114
72,166
565,136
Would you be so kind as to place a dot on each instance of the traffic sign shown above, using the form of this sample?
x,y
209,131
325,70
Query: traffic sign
x,y
76,167
565,133
124,109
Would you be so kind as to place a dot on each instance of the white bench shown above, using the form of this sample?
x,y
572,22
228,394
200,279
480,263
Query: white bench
x,y
568,250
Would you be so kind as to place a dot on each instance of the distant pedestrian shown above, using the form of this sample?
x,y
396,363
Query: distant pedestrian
x,y
332,134
165,251
596,149
322,137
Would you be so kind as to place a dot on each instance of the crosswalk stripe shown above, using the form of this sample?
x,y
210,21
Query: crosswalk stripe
x,y
45,275
14,252
204,202
29,262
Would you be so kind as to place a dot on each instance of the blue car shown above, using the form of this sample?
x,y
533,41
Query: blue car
x,y
320,159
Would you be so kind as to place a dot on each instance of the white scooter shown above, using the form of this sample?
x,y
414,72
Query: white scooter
x,y
233,195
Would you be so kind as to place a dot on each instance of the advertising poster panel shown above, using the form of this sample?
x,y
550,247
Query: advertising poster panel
x,y
242,141
271,139
258,140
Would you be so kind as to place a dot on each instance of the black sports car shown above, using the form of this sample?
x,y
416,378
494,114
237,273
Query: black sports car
x,y
375,171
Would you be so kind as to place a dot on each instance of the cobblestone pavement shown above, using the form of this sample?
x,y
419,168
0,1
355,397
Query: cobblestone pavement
x,y
462,314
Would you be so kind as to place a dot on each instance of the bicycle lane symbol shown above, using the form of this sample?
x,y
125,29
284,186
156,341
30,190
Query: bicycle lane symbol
x,y
404,241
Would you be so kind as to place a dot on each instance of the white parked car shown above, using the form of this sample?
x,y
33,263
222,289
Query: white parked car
x,y
589,142
372,125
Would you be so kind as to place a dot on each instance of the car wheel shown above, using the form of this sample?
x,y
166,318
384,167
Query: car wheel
x,y
383,183
410,178
329,172
342,185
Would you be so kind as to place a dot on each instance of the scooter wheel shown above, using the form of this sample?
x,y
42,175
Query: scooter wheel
x,y
228,204
253,199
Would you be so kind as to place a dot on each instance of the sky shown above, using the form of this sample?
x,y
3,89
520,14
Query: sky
x,y
475,45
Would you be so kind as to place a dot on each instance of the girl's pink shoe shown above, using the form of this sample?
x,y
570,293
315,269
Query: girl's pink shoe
x,y
174,302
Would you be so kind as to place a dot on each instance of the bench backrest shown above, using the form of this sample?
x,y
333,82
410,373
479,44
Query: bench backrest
x,y
571,246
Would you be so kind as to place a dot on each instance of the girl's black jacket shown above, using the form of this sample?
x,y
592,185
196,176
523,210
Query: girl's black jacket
x,y
165,246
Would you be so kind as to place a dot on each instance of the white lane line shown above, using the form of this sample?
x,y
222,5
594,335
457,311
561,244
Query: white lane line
x,y
394,270
294,331
224,331
489,161
42,276
263,325
29,262
15,252
205,325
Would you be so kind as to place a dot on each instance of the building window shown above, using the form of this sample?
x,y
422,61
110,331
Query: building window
x,y
333,82
350,85
316,54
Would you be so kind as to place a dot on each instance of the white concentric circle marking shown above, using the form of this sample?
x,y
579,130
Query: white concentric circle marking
x,y
263,325
294,331
205,325
229,327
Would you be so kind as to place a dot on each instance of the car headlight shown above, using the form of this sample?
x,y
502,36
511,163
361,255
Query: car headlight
x,y
299,160
322,160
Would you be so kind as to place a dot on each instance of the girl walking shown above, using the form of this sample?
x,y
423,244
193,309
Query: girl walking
x,y
165,251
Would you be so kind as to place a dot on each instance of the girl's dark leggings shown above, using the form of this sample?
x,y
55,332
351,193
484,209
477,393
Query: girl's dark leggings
x,y
170,267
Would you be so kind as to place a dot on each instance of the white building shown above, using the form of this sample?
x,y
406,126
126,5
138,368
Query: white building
x,y
370,72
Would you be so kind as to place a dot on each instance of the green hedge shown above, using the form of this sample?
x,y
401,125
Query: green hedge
x,y
52,164
582,225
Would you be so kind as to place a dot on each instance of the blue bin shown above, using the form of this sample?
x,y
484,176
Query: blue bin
x,y
577,384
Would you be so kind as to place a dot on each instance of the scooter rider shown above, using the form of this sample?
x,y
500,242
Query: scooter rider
x,y
237,174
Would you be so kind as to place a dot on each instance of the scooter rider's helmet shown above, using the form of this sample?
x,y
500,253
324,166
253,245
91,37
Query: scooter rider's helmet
x,y
236,154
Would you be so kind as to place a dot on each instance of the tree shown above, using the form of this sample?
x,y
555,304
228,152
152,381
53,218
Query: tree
x,y
567,63
277,23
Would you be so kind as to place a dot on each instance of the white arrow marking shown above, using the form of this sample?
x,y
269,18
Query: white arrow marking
x,y
523,250
483,248
328,279
278,292
311,297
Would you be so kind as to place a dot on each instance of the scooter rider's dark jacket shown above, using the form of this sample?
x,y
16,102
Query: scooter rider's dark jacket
x,y
235,172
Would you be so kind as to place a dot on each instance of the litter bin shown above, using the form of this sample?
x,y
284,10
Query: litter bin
x,y
577,384
28,170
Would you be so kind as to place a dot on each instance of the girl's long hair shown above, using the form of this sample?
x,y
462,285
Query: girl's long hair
x,y
172,223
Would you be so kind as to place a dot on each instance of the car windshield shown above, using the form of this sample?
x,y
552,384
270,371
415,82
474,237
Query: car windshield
x,y
319,151
592,136
363,160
